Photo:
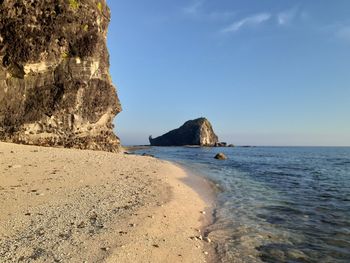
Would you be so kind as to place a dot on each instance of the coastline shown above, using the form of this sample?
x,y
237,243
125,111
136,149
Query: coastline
x,y
207,190
88,206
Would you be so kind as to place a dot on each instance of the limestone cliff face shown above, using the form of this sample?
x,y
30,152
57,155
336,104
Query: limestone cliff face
x,y
55,87
193,132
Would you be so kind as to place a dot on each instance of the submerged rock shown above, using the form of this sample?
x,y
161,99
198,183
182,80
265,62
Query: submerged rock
x,y
193,132
55,87
220,156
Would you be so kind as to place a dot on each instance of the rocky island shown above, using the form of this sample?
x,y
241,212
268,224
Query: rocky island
x,y
194,132
55,87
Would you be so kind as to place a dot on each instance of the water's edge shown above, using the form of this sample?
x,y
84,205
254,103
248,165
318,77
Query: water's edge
x,y
275,204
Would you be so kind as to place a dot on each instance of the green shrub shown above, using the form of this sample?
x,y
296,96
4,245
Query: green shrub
x,y
99,6
85,28
65,55
74,4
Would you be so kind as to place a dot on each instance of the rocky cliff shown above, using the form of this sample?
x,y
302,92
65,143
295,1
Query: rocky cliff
x,y
193,132
55,87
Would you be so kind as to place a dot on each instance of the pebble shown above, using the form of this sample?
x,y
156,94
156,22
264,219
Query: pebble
x,y
93,216
296,254
203,212
41,232
207,239
81,224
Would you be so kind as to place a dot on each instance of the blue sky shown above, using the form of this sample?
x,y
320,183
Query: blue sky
x,y
263,72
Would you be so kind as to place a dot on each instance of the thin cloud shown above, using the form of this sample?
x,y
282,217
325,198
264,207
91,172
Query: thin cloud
x,y
247,21
305,15
194,8
221,15
286,17
339,31
343,32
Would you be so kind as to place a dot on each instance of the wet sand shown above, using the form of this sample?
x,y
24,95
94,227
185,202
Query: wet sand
x,y
63,205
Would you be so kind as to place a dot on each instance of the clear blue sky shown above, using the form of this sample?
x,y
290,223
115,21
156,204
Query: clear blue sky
x,y
266,72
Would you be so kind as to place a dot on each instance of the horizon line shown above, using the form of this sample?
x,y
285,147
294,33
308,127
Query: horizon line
x,y
248,146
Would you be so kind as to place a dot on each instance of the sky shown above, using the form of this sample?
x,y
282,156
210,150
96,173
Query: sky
x,y
270,72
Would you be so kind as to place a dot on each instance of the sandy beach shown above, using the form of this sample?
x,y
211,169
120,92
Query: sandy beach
x,y
64,205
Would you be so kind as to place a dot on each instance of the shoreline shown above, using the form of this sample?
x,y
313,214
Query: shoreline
x,y
73,205
207,191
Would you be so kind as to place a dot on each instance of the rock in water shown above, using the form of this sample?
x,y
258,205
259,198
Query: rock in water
x,y
193,132
220,156
55,87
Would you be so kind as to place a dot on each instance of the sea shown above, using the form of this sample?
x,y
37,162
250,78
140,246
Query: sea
x,y
275,204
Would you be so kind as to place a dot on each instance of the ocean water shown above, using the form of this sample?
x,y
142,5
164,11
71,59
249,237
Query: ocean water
x,y
276,204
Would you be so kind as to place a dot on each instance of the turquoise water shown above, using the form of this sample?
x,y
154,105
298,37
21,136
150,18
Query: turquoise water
x,y
277,204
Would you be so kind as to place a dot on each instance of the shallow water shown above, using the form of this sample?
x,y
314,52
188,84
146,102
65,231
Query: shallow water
x,y
277,204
